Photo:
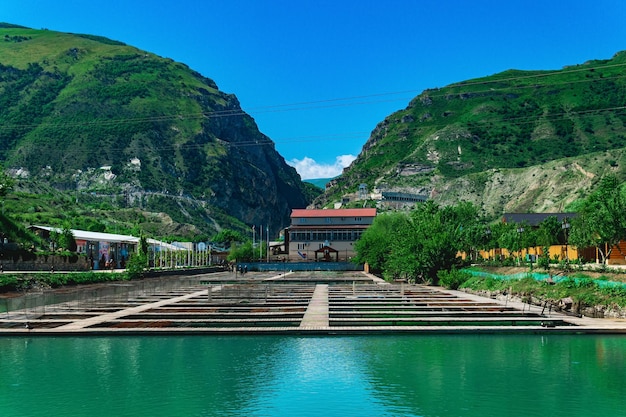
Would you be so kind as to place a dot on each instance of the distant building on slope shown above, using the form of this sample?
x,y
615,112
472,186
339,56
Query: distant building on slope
x,y
399,200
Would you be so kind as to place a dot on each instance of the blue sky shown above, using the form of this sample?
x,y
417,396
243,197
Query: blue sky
x,y
318,75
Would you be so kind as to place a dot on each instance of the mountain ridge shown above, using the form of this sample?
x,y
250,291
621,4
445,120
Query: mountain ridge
x,y
514,120
96,116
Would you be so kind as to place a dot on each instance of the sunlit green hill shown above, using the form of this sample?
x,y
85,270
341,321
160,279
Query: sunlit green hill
x,y
518,140
95,117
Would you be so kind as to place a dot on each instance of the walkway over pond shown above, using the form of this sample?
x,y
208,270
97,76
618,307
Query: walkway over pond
x,y
291,303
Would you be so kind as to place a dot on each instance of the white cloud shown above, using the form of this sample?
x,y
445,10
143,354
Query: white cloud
x,y
309,169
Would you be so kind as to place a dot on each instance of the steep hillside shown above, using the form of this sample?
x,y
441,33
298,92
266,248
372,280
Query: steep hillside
x,y
516,141
94,116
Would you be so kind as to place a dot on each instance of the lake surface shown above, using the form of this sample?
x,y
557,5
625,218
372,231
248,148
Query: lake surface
x,y
430,375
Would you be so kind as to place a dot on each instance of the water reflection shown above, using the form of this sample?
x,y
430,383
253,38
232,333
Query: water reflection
x,y
306,376
317,376
510,375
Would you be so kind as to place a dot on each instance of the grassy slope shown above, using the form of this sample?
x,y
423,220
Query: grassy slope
x,y
80,57
510,121
77,56
76,103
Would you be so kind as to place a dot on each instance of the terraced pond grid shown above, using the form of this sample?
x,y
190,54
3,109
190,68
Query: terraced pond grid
x,y
299,303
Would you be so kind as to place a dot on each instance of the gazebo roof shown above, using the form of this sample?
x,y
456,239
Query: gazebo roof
x,y
326,248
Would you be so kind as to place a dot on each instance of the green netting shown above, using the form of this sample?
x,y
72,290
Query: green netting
x,y
602,283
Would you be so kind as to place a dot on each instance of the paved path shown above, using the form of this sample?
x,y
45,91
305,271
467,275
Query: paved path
x,y
103,318
279,276
316,314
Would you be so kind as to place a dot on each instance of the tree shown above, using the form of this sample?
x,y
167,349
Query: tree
x,y
602,219
243,252
471,228
6,183
515,237
138,261
66,239
547,235
228,236
430,243
493,236
143,245
375,245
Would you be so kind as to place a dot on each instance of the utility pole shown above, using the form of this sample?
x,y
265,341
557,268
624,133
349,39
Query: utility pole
x,y
267,247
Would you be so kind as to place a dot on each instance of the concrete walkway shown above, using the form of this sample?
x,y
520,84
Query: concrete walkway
x,y
103,318
316,315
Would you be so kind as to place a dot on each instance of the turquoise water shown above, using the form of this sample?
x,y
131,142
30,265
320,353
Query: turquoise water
x,y
310,376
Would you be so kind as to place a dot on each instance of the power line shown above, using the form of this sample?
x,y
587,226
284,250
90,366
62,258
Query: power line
x,y
542,75
335,102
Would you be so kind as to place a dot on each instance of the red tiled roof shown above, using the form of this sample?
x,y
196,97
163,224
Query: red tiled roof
x,y
357,212
323,227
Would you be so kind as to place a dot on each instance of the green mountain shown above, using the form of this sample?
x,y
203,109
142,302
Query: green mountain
x,y
513,141
319,182
111,124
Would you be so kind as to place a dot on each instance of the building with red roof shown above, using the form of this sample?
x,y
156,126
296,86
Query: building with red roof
x,y
326,234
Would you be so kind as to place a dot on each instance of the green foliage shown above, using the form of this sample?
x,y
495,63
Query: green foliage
x,y
23,282
504,121
584,291
71,104
477,283
9,282
16,233
228,236
101,39
136,265
602,218
421,245
311,191
453,279
376,243
549,232
241,252
66,239
143,245
6,183
544,261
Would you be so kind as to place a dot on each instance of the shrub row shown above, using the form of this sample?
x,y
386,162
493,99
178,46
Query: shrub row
x,y
21,282
582,290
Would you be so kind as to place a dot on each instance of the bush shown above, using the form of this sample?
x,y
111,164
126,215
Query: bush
x,y
543,262
136,265
24,282
8,282
453,279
